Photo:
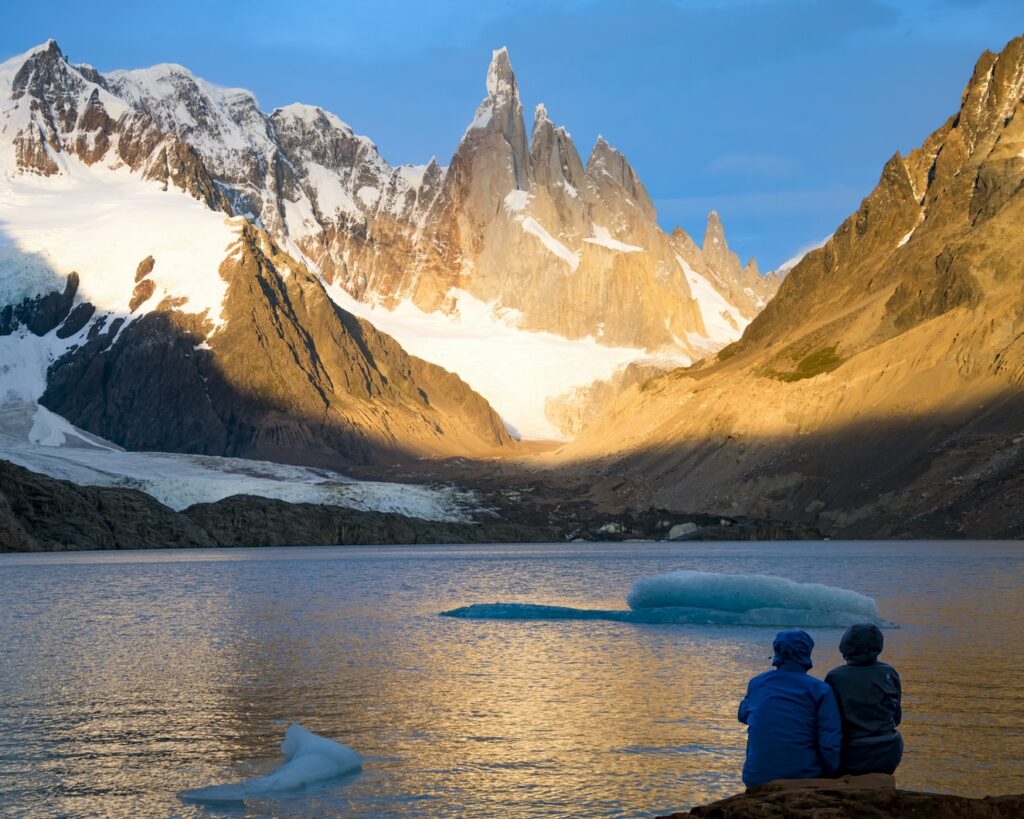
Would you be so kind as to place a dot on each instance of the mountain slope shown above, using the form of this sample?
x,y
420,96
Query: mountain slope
x,y
880,392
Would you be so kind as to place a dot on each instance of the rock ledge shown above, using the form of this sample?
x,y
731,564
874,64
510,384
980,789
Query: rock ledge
x,y
857,797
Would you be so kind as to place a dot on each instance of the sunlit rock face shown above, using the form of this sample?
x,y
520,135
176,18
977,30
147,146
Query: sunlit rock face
x,y
879,392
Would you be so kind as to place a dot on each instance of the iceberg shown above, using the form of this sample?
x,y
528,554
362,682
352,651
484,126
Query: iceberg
x,y
308,759
708,598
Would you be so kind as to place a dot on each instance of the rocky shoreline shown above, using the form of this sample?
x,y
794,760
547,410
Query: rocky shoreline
x,y
39,513
852,797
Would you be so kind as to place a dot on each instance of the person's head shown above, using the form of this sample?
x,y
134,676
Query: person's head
x,y
793,647
861,644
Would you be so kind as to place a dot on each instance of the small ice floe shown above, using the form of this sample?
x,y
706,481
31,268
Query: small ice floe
x,y
308,759
697,598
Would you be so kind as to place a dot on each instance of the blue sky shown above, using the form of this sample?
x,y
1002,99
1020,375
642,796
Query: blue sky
x,y
778,113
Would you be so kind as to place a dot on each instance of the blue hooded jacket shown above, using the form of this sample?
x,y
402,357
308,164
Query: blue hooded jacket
x,y
794,730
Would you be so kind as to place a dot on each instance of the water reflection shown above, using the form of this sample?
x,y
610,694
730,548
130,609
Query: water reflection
x,y
127,682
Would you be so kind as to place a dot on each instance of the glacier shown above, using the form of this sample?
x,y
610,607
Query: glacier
x,y
708,598
516,370
310,759
33,437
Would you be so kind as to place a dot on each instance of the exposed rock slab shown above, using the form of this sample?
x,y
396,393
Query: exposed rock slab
x,y
873,796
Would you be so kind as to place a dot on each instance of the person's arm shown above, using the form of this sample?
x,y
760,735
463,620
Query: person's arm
x,y
744,711
830,733
898,716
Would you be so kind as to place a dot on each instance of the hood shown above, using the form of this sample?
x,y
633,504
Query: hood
x,y
793,647
861,644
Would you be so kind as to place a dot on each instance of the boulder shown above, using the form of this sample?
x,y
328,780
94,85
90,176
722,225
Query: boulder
x,y
856,797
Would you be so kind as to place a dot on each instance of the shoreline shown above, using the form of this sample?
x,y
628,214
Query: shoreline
x,y
41,514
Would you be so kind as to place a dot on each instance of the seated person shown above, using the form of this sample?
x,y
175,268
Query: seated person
x,y
869,696
793,724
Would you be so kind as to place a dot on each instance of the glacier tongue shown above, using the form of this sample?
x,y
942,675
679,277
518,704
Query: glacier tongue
x,y
35,438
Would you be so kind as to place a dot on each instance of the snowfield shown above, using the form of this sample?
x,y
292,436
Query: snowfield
x,y
102,223
515,370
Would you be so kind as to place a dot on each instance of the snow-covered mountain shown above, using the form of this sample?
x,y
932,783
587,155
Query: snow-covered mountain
x,y
233,248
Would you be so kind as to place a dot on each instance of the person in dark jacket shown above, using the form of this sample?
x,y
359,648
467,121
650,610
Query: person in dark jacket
x,y
793,728
869,695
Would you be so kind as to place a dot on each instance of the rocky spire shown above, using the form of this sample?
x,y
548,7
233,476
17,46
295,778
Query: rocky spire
x,y
502,112
716,248
606,164
553,156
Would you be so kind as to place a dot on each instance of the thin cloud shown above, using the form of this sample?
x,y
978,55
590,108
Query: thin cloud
x,y
754,164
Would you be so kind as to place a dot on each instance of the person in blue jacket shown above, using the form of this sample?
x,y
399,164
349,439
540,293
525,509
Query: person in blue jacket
x,y
793,725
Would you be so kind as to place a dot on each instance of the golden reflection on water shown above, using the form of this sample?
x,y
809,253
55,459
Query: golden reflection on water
x,y
125,683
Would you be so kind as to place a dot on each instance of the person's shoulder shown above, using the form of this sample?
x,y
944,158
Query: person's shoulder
x,y
760,678
887,669
816,685
837,673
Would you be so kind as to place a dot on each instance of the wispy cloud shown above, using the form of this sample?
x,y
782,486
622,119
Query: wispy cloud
x,y
755,164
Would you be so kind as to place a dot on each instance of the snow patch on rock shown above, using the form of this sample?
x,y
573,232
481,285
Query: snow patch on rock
x,y
722,321
603,237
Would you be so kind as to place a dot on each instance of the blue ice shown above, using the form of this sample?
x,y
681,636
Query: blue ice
x,y
694,597
308,759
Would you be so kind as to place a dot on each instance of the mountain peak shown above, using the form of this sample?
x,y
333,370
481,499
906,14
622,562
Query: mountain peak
x,y
501,81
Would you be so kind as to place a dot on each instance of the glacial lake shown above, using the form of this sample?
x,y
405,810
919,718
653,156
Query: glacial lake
x,y
127,677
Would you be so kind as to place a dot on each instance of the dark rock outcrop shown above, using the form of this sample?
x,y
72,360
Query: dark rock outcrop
x,y
873,796
41,514
660,524
40,314
244,520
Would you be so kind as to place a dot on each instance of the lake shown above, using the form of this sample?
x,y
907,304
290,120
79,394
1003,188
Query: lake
x,y
127,677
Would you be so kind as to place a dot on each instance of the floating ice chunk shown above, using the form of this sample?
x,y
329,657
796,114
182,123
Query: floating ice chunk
x,y
309,759
698,598
745,592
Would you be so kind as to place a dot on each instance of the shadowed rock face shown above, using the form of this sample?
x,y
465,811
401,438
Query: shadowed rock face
x,y
289,377
41,314
879,393
856,797
38,513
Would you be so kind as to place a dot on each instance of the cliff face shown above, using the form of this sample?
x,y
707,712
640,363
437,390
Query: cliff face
x,y
574,248
879,393
287,376
39,514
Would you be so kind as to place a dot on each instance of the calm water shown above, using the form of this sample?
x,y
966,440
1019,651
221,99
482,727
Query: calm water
x,y
128,677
